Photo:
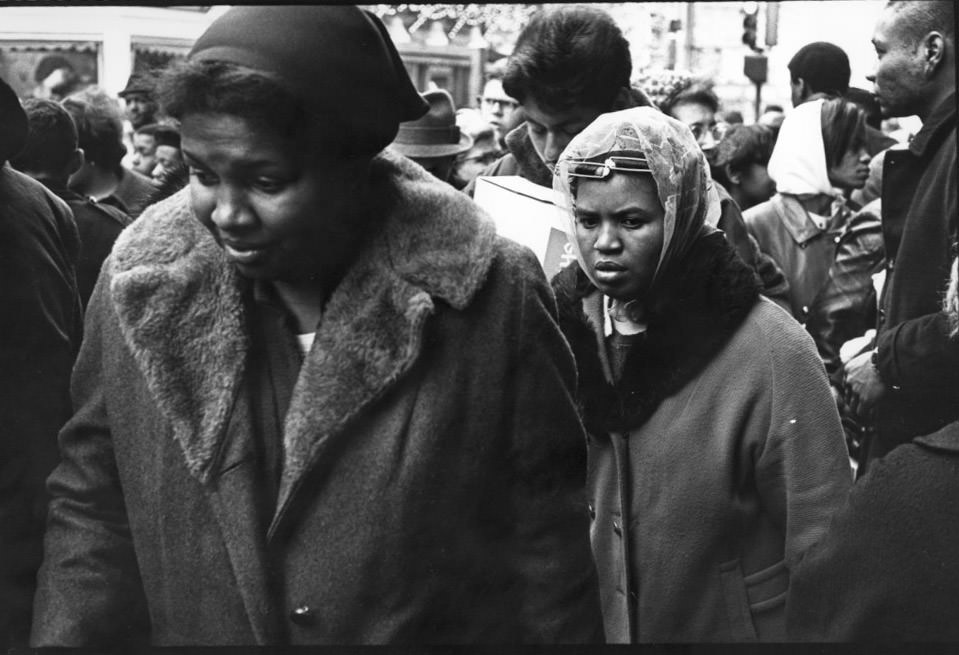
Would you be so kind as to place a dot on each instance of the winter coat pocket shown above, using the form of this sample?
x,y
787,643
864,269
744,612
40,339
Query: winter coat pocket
x,y
755,603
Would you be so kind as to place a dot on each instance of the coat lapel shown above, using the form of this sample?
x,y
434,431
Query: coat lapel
x,y
233,493
434,243
180,310
363,347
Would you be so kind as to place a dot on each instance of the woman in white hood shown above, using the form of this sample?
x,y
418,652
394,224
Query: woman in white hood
x,y
819,158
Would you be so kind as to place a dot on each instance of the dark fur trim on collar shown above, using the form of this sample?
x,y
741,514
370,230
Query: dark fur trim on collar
x,y
182,314
703,306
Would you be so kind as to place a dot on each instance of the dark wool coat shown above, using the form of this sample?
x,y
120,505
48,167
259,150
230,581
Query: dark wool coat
x,y
920,217
432,488
40,329
714,461
886,570
99,226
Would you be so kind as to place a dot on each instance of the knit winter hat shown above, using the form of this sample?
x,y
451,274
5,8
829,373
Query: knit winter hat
x,y
824,67
338,59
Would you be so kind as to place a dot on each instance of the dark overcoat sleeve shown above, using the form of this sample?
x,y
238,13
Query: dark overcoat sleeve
x,y
89,590
548,456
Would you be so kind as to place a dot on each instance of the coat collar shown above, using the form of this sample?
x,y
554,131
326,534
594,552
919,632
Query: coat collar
x,y
933,131
796,220
528,163
946,439
704,305
182,313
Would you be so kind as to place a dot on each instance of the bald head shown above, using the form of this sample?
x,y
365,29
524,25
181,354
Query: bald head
x,y
916,19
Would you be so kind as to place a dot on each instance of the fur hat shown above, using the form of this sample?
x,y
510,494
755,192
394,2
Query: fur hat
x,y
338,59
13,123
435,134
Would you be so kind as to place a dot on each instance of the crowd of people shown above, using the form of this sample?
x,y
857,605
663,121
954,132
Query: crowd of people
x,y
270,376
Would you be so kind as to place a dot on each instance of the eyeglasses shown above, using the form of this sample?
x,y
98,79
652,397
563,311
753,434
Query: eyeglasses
x,y
601,170
717,131
503,103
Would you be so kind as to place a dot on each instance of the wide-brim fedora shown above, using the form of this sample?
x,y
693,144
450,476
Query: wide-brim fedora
x,y
436,133
13,123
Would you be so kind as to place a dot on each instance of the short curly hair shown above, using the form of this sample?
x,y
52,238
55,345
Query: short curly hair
x,y
569,56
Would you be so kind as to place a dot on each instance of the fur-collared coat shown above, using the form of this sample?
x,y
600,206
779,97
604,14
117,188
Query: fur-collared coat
x,y
432,487
714,461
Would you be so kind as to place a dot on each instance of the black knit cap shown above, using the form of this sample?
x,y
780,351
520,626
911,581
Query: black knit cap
x,y
13,123
338,59
824,67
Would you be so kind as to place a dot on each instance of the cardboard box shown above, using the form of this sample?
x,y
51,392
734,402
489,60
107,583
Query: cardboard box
x,y
529,214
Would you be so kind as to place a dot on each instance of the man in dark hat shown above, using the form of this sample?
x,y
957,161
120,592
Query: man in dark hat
x,y
434,140
140,105
39,333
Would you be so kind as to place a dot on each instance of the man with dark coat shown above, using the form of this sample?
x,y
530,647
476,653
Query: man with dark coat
x,y
39,333
50,157
570,65
909,384
886,570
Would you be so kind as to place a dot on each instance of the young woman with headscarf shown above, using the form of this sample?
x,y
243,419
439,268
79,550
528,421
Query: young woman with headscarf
x,y
715,451
819,158
320,401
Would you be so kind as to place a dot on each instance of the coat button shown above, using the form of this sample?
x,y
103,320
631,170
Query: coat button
x,y
592,511
617,528
303,615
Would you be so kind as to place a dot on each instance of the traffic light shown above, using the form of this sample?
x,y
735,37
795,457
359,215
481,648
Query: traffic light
x,y
750,27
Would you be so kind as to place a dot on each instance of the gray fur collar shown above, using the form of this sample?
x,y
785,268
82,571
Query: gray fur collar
x,y
181,312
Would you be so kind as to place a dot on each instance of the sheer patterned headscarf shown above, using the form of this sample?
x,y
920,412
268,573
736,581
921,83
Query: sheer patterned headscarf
x,y
676,162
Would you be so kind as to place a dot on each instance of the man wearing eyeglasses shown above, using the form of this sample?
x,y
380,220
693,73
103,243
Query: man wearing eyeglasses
x,y
495,106
697,105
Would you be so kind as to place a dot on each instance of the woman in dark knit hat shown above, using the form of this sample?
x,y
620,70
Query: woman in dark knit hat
x,y
320,401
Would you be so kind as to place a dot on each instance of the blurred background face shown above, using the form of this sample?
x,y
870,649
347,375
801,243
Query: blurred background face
x,y
140,109
277,215
144,153
755,184
168,159
619,229
495,106
475,160
702,121
852,171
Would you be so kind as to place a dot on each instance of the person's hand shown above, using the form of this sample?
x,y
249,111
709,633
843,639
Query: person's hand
x,y
863,386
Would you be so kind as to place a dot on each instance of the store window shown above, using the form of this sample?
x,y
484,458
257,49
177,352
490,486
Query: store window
x,y
48,69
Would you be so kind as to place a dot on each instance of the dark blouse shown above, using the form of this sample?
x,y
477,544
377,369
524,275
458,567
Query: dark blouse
x,y
275,362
